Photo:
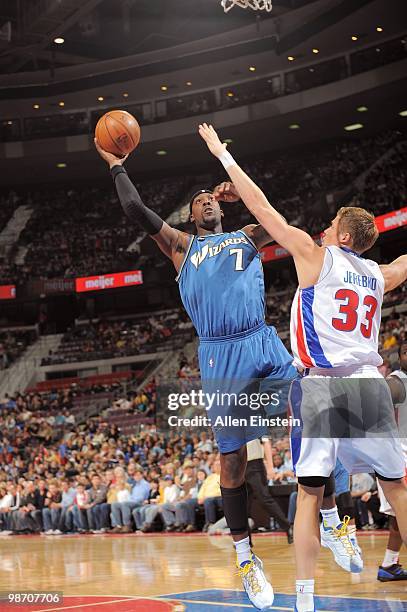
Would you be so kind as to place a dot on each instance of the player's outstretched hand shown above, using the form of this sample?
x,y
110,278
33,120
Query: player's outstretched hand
x,y
209,135
111,159
226,192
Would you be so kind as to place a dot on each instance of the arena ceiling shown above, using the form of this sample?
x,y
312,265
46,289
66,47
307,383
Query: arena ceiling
x,y
97,30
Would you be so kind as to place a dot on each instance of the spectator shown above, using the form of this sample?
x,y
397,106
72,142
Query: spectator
x,y
97,512
121,511
52,509
210,496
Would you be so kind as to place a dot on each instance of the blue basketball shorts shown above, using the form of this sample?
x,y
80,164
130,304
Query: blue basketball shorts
x,y
246,378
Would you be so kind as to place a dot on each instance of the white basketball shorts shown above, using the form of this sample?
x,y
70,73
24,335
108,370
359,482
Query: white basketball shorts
x,y
352,420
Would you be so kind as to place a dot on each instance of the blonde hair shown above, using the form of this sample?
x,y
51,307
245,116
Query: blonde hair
x,y
360,224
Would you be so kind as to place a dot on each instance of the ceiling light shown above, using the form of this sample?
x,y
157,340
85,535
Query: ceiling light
x,y
252,68
294,126
354,37
188,83
161,152
9,123
164,87
353,126
62,103
230,94
227,141
379,29
61,165
59,40
315,50
125,95
362,109
100,98
403,113
291,58
36,106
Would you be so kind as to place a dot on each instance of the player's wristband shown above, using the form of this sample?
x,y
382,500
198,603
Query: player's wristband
x,y
227,160
115,170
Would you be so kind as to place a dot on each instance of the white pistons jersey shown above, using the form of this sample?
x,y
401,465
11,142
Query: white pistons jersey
x,y
336,322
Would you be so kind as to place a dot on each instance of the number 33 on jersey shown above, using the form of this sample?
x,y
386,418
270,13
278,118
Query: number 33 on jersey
x,y
336,321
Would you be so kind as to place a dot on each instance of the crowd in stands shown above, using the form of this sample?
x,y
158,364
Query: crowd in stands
x,y
109,339
298,184
70,232
96,480
385,188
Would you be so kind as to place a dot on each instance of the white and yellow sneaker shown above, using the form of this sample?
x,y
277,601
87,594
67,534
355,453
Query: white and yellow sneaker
x,y
258,589
346,554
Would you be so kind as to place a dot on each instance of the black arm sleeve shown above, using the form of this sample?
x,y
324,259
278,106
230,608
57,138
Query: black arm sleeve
x,y
132,203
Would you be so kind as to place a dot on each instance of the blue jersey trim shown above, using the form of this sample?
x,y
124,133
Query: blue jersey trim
x,y
249,239
314,345
295,403
347,250
185,259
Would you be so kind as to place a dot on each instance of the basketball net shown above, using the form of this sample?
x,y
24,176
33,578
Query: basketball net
x,y
256,5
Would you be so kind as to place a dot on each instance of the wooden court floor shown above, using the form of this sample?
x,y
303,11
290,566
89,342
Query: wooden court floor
x,y
181,573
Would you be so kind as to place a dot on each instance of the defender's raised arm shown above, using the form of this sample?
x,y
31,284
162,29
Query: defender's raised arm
x,y
297,242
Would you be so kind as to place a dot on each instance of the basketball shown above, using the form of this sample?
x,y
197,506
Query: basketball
x,y
118,132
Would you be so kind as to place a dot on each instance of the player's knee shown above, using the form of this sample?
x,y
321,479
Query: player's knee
x,y
233,468
313,481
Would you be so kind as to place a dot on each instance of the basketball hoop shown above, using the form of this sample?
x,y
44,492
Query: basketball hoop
x,y
255,5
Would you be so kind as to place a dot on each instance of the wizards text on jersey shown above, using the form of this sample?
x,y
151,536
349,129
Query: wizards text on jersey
x,y
211,251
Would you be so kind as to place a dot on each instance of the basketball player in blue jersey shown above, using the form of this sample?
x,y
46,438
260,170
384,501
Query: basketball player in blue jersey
x,y
334,280
221,284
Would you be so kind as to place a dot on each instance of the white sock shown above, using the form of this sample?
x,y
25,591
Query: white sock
x,y
305,595
390,557
243,550
331,517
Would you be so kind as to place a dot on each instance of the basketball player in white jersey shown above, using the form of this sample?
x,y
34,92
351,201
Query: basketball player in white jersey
x,y
390,570
334,335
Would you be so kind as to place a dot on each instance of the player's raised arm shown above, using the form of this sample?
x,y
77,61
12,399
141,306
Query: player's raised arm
x,y
171,241
297,242
395,273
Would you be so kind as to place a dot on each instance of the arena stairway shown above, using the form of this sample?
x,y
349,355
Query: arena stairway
x,y
166,370
11,233
360,181
19,376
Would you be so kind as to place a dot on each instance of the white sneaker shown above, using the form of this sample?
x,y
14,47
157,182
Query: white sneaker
x,y
346,554
57,532
49,532
258,589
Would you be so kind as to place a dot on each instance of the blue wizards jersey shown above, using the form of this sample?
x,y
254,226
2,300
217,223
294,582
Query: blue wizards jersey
x,y
222,285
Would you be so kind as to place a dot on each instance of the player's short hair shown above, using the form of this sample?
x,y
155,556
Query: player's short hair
x,y
197,193
361,226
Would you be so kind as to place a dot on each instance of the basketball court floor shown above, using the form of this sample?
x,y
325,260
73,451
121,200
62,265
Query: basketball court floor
x,y
180,573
